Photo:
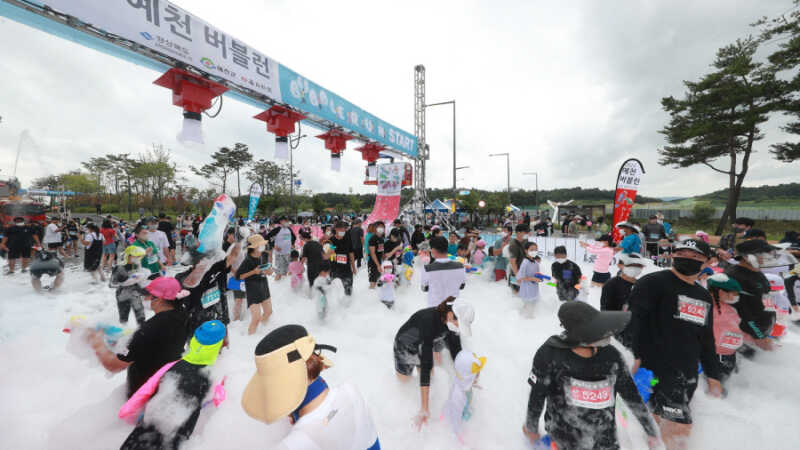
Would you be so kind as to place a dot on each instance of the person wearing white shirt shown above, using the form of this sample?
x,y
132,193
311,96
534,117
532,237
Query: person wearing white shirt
x,y
159,238
442,278
52,236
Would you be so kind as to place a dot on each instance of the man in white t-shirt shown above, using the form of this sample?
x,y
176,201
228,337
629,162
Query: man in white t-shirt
x,y
159,238
52,236
287,383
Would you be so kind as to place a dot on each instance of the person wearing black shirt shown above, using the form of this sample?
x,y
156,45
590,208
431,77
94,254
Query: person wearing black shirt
x,y
356,234
343,263
375,257
17,241
417,237
415,340
755,321
253,272
158,341
566,273
165,225
312,257
672,330
616,291
579,374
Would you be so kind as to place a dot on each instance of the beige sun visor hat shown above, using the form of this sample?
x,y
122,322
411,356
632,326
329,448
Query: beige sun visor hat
x,y
281,379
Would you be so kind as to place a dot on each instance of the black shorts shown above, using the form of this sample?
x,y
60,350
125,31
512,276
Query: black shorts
x,y
257,296
406,357
671,397
19,252
374,273
601,278
53,245
239,294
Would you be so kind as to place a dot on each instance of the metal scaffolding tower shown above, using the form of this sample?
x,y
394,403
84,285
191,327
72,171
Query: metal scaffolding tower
x,y
420,197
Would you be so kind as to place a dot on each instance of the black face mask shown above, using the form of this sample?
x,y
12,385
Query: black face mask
x,y
686,266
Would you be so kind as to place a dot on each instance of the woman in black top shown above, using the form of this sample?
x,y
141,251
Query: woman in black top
x,y
253,271
375,259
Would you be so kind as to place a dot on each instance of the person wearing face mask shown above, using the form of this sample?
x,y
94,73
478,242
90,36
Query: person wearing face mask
x,y
672,331
566,273
500,260
17,239
415,341
528,281
603,253
579,375
516,253
159,238
253,271
616,291
356,234
130,280
375,258
343,258
311,257
752,255
727,335
150,261
284,239
631,242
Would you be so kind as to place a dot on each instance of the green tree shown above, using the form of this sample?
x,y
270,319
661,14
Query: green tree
x,y
238,158
719,117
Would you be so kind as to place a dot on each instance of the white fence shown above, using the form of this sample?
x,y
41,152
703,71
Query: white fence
x,y
753,213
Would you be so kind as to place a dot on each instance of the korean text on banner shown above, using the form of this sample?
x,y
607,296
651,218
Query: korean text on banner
x,y
255,195
628,181
167,29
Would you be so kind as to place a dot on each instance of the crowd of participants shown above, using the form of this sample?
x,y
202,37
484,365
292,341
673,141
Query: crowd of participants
x,y
683,324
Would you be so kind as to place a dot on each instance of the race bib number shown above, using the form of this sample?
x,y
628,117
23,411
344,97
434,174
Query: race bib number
x,y
769,304
590,394
341,259
731,340
210,297
654,236
692,310
153,259
73,233
380,248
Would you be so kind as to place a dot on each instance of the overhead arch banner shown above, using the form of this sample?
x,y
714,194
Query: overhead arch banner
x,y
629,180
172,31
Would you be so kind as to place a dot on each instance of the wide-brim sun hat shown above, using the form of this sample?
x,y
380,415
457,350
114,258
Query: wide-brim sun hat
x,y
256,241
584,325
726,283
281,379
631,259
629,225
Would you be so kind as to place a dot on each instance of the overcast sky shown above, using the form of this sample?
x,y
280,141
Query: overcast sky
x,y
569,89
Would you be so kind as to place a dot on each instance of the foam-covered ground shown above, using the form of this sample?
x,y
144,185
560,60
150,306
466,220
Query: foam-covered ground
x,y
50,398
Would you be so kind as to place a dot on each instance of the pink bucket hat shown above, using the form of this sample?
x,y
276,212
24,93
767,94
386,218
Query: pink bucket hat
x,y
166,288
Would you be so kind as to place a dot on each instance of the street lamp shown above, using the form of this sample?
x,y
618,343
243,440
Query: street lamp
x,y
451,102
508,172
536,192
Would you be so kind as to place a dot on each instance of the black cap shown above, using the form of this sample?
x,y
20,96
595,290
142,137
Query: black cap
x,y
754,233
746,221
284,336
754,246
695,245
583,324
522,228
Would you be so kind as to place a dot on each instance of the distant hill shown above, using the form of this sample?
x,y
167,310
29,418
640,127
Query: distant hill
x,y
672,199
788,192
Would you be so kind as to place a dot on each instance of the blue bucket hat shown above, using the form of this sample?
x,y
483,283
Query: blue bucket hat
x,y
210,332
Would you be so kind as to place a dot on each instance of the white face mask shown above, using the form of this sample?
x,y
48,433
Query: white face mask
x,y
136,261
561,260
632,271
452,327
284,224
340,234
505,234
732,301
533,254
261,248
328,233
380,230
623,232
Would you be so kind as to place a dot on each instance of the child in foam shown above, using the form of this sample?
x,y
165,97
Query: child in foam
x,y
168,405
296,270
386,283
603,256
479,254
458,408
529,282
130,279
728,337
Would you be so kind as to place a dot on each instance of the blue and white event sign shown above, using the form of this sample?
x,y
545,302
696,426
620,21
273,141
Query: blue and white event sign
x,y
165,28
314,100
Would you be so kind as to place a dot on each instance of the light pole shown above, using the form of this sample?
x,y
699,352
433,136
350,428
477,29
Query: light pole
x,y
451,102
536,192
508,172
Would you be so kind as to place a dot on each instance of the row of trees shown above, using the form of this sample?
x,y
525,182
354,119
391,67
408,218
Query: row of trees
x,y
718,120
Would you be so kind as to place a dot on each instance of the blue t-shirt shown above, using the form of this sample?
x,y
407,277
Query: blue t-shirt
x,y
631,244
452,249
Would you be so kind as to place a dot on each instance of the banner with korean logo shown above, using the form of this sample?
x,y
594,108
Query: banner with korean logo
x,y
628,180
168,29
255,196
